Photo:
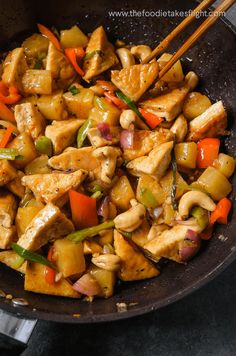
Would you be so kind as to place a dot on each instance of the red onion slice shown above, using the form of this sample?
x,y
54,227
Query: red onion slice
x,y
104,208
87,285
105,131
127,138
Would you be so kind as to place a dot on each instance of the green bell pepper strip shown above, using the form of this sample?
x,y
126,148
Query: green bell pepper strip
x,y
126,234
201,215
18,262
97,195
147,198
93,53
129,102
80,235
74,90
10,153
82,133
31,256
99,103
44,145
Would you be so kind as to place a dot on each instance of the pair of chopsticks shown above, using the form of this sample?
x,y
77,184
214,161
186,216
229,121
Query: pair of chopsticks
x,y
223,6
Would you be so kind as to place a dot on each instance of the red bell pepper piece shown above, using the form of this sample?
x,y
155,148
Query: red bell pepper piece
x,y
6,113
207,152
83,209
9,95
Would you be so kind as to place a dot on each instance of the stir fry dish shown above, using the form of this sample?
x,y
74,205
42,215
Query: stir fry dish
x,y
105,168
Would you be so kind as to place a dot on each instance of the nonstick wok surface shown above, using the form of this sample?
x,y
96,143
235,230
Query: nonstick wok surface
x,y
213,59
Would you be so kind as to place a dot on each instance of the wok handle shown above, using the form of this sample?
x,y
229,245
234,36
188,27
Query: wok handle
x,y
16,330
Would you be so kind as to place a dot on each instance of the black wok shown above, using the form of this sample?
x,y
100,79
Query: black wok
x,y
212,59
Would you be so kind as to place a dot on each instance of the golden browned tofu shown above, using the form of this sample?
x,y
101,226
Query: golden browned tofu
x,y
168,105
168,242
14,68
102,54
75,158
9,258
37,81
29,120
97,140
134,266
60,67
145,141
7,172
211,123
49,224
135,80
8,206
156,163
15,186
7,236
35,282
63,133
51,187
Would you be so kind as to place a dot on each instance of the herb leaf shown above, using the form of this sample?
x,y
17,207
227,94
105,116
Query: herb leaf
x,y
74,90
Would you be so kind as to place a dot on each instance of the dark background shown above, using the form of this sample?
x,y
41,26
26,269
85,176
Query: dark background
x,y
201,324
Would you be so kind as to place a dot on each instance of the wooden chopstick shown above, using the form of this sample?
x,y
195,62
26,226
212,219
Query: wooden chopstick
x,y
165,43
225,5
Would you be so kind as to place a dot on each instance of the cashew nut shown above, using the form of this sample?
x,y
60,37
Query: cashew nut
x,y
132,218
189,199
127,118
109,156
108,262
180,128
126,57
191,80
141,51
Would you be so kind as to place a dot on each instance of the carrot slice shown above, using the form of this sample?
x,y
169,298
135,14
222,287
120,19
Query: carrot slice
x,y
151,119
50,35
72,56
6,137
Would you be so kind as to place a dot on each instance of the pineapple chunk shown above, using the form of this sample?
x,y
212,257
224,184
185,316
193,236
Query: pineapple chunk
x,y
121,193
69,258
